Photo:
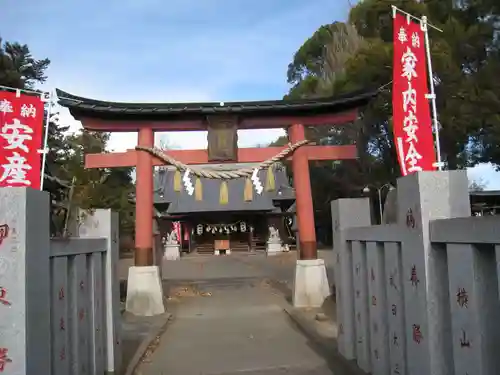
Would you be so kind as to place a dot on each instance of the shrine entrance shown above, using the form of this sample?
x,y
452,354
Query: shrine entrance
x,y
221,120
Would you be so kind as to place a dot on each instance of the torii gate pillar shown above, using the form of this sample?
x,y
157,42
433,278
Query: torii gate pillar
x,y
303,195
144,201
310,284
144,290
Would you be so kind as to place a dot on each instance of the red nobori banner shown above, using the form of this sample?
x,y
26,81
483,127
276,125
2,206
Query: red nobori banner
x,y
178,230
411,113
21,131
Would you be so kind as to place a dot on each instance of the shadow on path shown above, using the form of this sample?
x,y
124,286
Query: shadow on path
x,y
229,319
232,328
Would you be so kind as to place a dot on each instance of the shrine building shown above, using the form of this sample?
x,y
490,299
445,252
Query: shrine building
x,y
244,220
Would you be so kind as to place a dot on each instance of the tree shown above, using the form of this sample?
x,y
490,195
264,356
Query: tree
x,y
321,59
317,65
477,185
462,57
18,68
465,58
98,187
93,188
280,141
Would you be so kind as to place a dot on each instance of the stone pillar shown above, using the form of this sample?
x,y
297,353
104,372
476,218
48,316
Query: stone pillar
x,y
346,213
104,223
24,282
394,323
423,197
473,284
144,201
171,251
311,282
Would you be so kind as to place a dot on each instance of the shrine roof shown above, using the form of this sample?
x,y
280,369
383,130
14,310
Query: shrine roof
x,y
485,193
80,106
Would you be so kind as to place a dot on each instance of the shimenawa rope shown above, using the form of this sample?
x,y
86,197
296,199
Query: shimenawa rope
x,y
222,175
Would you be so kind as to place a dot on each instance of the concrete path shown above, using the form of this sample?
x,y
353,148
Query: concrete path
x,y
231,324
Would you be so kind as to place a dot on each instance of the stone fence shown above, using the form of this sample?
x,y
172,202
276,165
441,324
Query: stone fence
x,y
59,298
420,296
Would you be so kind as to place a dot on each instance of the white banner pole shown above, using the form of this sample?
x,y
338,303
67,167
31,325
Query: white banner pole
x,y
432,94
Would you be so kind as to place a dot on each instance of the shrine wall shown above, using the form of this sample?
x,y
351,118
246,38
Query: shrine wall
x,y
58,297
420,296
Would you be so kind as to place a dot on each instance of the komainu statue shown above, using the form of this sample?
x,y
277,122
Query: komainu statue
x,y
172,238
274,235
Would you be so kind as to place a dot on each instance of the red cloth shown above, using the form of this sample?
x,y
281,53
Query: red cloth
x,y
178,229
412,124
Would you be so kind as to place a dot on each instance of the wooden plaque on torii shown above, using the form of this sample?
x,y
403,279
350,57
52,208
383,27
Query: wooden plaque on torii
x,y
222,138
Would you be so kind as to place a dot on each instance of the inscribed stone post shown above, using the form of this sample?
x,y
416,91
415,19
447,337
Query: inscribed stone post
x,y
79,316
346,213
473,283
61,315
361,309
24,282
104,223
378,306
422,197
395,306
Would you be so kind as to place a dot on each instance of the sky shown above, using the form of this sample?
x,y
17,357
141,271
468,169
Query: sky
x,y
173,51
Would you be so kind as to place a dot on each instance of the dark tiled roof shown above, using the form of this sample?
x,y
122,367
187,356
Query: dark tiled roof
x,y
485,193
181,202
105,109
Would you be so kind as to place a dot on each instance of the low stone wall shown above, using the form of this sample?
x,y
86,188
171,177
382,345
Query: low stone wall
x,y
58,297
420,296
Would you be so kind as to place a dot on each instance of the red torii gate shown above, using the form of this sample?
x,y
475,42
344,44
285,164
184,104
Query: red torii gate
x,y
146,118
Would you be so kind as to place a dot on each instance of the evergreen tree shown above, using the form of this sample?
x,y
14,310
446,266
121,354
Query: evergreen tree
x,y
466,62
18,68
64,166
